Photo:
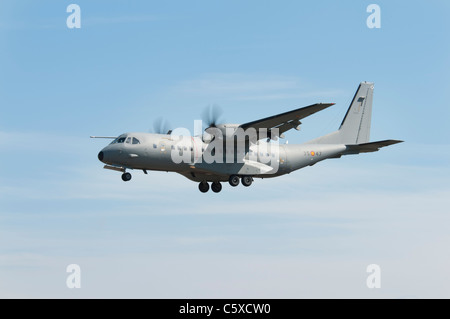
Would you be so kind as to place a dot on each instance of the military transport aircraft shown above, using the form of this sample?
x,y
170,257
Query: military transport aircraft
x,y
237,153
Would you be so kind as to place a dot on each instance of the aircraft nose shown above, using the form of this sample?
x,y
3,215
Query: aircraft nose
x,y
100,156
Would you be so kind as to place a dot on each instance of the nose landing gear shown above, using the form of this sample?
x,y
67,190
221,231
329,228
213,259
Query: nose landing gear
x,y
126,177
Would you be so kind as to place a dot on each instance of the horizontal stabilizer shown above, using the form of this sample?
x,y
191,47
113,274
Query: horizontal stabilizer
x,y
369,147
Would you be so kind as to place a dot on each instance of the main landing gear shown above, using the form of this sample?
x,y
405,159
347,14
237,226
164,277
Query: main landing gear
x,y
216,187
246,180
234,180
203,187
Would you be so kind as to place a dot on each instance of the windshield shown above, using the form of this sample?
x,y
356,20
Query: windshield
x,y
126,139
120,139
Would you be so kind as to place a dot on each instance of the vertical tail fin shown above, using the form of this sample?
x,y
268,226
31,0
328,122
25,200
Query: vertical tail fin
x,y
355,127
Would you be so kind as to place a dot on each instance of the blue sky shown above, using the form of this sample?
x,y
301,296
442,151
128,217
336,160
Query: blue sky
x,y
309,234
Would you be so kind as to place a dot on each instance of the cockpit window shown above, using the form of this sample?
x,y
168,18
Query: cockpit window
x,y
128,140
119,140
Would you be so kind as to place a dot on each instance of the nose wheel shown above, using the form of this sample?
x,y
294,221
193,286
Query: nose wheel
x,y
126,177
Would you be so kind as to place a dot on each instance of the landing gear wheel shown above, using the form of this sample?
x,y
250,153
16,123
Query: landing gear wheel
x,y
246,180
203,187
126,177
216,187
234,180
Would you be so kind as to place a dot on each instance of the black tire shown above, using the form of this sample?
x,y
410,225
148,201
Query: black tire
x,y
246,180
216,187
234,180
126,177
203,187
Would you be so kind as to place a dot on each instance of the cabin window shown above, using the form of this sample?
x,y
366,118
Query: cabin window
x,y
155,146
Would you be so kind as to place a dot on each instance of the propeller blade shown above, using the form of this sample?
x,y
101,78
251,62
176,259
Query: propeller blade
x,y
211,115
161,125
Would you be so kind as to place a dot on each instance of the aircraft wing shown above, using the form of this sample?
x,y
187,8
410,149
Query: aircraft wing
x,y
285,121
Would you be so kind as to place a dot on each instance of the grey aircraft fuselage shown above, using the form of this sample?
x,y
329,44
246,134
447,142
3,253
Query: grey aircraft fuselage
x,y
213,160
154,152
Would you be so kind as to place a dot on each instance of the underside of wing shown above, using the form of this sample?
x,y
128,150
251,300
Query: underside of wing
x,y
285,121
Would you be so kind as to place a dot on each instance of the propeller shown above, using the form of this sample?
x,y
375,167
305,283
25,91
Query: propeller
x,y
161,125
211,115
